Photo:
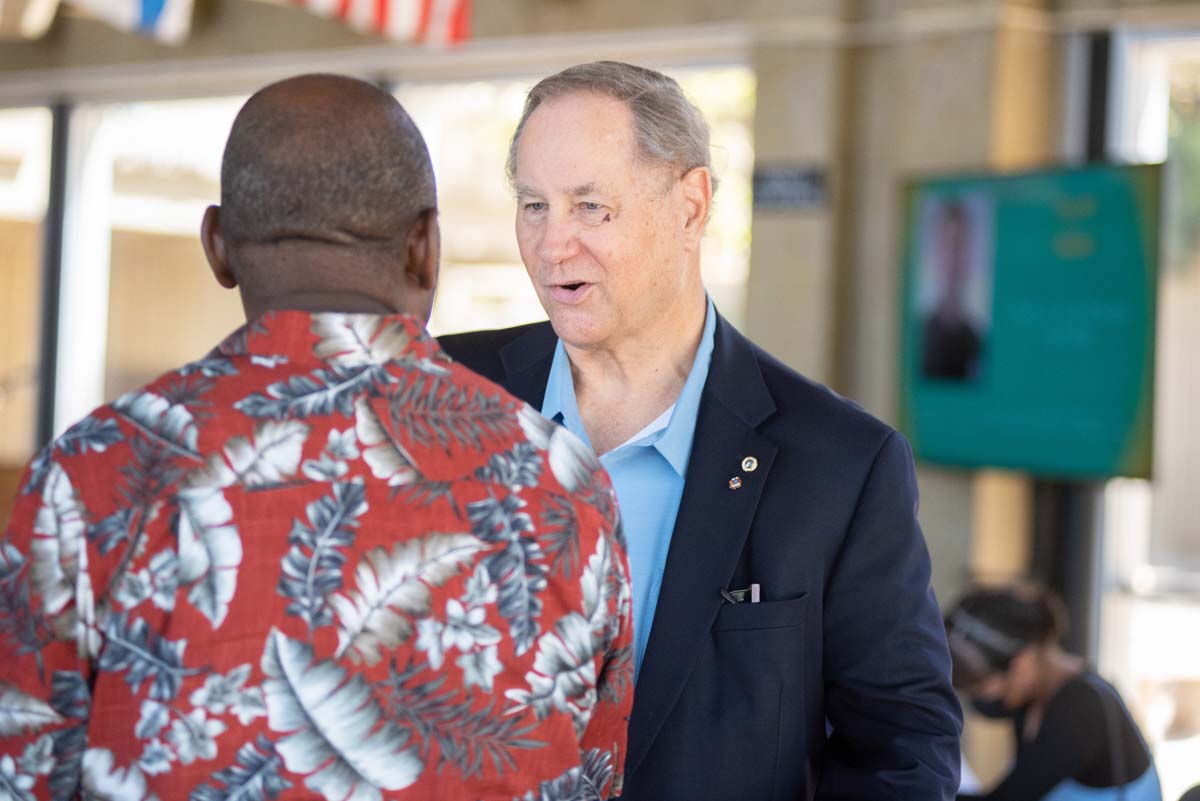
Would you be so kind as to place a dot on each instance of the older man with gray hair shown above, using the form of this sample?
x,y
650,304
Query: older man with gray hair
x,y
787,642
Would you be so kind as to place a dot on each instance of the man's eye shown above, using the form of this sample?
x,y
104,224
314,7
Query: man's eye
x,y
586,206
535,206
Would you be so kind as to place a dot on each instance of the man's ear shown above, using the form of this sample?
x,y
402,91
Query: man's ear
x,y
697,196
423,253
215,249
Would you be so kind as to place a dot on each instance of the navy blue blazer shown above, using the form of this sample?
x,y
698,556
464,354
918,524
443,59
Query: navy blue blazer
x,y
732,699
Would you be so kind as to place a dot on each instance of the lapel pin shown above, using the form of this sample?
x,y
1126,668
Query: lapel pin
x,y
735,482
750,464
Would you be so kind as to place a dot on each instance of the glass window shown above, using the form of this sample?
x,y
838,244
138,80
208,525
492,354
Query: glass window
x,y
24,182
141,176
164,308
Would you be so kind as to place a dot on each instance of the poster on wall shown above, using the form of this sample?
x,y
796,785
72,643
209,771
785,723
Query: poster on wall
x,y
1028,318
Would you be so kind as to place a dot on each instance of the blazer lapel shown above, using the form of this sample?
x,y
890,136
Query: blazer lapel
x,y
710,530
526,362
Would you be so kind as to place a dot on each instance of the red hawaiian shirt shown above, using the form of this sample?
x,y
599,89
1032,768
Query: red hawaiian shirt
x,y
323,562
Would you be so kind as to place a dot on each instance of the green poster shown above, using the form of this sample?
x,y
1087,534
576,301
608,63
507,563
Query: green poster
x,y
1028,320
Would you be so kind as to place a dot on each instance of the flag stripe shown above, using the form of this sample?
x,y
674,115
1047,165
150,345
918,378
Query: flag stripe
x,y
433,21
381,15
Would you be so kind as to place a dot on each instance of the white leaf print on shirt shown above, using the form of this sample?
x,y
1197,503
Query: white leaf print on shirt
x,y
38,758
85,630
387,458
272,457
14,783
210,551
21,712
170,424
335,735
392,585
152,720
193,736
564,675
351,339
58,543
221,692
156,758
571,461
104,782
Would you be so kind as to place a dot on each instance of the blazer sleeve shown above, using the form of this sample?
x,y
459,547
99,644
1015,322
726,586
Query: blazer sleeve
x,y
895,722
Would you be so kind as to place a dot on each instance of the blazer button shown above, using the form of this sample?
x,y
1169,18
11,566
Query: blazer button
x,y
750,464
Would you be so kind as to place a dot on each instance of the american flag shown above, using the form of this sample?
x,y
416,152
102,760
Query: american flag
x,y
428,21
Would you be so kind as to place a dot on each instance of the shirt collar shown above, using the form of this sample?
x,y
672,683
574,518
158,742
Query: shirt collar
x,y
671,434
334,337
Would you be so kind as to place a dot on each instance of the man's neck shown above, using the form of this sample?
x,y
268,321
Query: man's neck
x,y
317,301
622,388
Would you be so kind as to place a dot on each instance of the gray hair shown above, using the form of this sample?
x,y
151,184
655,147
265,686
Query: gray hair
x,y
668,128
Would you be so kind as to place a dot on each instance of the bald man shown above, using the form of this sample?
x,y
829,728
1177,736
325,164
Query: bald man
x,y
323,561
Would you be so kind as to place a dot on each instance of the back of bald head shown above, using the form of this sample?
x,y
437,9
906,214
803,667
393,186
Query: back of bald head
x,y
324,158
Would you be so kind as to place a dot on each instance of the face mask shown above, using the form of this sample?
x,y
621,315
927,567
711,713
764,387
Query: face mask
x,y
993,708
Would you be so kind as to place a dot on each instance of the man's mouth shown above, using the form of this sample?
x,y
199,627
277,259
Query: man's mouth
x,y
569,291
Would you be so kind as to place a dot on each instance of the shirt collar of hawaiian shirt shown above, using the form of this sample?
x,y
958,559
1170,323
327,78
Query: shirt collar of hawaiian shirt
x,y
671,433
342,339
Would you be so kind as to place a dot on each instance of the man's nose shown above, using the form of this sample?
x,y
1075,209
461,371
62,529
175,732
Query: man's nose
x,y
560,239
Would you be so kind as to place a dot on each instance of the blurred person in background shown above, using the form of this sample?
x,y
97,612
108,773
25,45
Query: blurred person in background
x,y
951,339
1076,741
323,561
780,577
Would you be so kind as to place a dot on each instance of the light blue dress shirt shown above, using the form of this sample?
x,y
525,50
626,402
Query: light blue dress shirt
x,y
647,473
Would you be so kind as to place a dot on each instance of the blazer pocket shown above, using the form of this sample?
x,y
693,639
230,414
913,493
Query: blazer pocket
x,y
766,615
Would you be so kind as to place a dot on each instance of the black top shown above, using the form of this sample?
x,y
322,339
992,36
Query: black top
x,y
1075,742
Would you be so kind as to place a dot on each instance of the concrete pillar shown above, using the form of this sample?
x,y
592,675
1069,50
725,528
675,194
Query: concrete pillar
x,y
789,304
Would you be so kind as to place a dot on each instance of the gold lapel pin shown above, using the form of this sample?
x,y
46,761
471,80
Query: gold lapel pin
x,y
750,464
735,482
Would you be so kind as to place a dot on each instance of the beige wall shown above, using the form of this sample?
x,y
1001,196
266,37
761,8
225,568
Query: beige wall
x,y
10,482
165,308
20,300
791,285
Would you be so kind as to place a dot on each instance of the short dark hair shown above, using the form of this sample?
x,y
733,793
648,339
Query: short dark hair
x,y
990,626
339,167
